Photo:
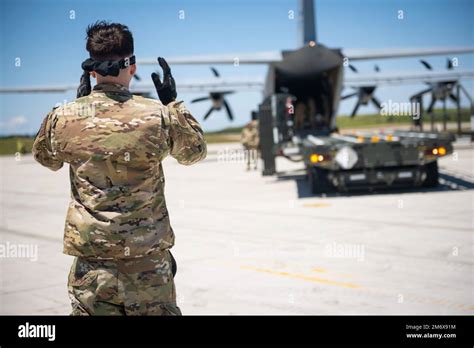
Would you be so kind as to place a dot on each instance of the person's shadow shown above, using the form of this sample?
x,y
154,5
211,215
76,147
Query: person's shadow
x,y
447,182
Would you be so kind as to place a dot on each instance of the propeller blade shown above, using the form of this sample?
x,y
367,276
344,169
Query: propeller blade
x,y
208,113
199,99
229,112
376,102
426,64
430,108
215,72
453,98
376,68
353,68
356,107
348,96
226,92
449,64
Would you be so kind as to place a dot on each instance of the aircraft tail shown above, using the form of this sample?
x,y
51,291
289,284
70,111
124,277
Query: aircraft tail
x,y
307,22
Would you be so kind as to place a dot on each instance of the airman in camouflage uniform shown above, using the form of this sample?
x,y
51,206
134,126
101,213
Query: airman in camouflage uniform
x,y
250,140
117,224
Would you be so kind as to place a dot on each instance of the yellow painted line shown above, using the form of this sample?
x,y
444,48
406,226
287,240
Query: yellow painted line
x,y
316,205
303,277
322,270
319,270
342,284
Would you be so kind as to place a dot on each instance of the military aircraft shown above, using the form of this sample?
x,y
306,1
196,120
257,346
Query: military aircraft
x,y
315,70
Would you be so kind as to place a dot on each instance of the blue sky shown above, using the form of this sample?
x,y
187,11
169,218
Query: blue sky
x,y
51,45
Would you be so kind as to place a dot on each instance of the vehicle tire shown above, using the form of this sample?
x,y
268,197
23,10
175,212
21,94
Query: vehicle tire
x,y
318,180
431,170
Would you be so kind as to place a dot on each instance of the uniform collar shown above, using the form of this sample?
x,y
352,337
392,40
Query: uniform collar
x,y
114,90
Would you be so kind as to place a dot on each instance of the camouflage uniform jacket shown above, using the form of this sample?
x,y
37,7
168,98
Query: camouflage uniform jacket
x,y
114,143
249,136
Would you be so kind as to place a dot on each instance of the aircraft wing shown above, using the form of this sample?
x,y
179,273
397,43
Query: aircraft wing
x,y
207,86
405,77
383,53
237,58
38,89
276,56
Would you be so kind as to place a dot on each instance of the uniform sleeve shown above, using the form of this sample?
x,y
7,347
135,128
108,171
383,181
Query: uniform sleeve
x,y
186,137
42,148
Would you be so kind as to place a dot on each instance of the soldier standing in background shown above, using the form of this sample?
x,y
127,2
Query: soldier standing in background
x,y
300,114
117,225
251,141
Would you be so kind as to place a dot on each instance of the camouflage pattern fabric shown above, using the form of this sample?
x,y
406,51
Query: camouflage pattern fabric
x,y
140,286
114,143
300,115
249,136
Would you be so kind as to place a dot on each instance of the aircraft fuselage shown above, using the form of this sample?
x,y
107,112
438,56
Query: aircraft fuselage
x,y
313,74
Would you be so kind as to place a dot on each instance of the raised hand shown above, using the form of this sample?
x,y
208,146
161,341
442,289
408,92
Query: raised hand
x,y
167,89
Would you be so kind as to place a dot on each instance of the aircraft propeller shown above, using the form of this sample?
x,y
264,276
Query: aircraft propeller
x,y
441,90
365,94
217,98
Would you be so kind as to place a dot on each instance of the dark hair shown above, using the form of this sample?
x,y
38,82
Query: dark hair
x,y
107,41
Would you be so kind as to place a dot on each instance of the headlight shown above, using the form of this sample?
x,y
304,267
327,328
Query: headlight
x,y
437,151
346,157
315,158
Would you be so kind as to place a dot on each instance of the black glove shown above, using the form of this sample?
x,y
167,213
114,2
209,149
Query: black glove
x,y
167,89
85,85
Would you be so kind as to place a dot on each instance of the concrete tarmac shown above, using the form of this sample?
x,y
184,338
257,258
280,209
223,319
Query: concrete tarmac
x,y
247,244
